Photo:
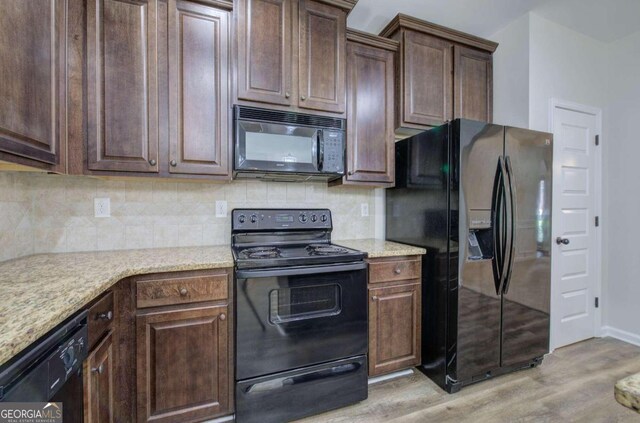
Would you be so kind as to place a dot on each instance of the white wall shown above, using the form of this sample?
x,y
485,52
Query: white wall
x,y
511,74
622,189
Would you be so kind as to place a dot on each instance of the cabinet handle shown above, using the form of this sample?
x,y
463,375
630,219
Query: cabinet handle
x,y
397,270
99,370
152,162
374,298
173,163
303,98
183,291
105,316
287,94
223,316
350,172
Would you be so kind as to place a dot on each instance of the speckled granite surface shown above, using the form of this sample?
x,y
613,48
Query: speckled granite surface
x,y
380,248
627,392
39,292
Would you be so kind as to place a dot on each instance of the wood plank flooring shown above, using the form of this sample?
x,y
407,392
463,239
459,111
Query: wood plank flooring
x,y
574,384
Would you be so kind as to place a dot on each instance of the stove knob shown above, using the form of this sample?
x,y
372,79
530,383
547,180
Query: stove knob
x,y
242,218
254,218
303,218
314,218
323,218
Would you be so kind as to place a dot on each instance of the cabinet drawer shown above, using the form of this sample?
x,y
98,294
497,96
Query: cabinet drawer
x,y
100,318
161,292
394,270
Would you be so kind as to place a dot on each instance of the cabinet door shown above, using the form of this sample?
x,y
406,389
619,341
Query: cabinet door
x,y
182,364
264,51
199,85
394,328
370,137
32,75
473,85
322,57
427,74
122,85
98,383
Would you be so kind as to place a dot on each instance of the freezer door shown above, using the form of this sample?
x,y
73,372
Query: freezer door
x,y
480,149
528,156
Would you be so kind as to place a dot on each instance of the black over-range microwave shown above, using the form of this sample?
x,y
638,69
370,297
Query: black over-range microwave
x,y
286,146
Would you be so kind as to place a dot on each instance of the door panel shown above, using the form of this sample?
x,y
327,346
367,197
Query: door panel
x,y
574,277
370,134
199,106
322,57
526,303
98,375
122,85
264,51
32,71
479,304
428,64
473,84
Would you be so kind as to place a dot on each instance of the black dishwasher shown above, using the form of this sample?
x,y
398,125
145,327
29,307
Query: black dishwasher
x,y
50,370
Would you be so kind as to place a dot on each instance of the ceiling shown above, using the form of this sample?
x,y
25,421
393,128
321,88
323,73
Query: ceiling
x,y
603,20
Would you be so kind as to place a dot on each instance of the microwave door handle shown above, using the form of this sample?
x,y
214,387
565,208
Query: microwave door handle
x,y
320,149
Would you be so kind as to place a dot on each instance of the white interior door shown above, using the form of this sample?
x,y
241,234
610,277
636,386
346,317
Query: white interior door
x,y
575,253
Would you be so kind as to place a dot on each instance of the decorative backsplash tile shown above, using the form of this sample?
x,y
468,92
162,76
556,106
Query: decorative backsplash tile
x,y
50,213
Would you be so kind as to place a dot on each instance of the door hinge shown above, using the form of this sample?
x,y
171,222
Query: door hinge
x,y
597,139
597,221
597,302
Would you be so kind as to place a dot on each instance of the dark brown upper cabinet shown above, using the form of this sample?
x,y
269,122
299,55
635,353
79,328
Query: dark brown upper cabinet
x,y
441,74
291,54
473,84
198,89
33,87
122,85
370,101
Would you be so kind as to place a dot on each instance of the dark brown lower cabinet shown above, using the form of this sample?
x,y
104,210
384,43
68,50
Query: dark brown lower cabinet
x,y
182,363
98,383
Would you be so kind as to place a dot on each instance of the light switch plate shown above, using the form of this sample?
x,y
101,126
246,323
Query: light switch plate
x,y
221,209
364,209
102,207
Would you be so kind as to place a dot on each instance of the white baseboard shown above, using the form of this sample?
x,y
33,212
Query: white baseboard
x,y
623,335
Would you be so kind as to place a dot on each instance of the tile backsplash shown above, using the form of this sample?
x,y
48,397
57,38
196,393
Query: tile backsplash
x,y
43,213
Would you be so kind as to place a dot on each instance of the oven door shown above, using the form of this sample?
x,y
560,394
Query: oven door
x,y
288,318
274,147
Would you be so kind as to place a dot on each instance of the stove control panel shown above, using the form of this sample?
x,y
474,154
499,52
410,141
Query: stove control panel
x,y
280,219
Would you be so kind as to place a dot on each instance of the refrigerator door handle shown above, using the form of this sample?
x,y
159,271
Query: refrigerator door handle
x,y
497,204
512,218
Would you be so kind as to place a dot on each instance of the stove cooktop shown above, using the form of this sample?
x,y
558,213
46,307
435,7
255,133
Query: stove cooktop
x,y
293,255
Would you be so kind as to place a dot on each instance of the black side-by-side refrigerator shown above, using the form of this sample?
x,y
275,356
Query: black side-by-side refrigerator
x,y
477,197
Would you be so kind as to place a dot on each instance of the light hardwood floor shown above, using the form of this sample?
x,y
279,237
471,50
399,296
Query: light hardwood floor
x,y
574,384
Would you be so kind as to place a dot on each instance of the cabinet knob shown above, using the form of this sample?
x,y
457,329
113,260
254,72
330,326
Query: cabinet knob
x,y
397,270
303,98
99,370
183,291
374,298
105,316
173,163
287,94
152,162
223,316
350,172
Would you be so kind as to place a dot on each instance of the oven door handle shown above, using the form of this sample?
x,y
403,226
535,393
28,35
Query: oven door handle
x,y
288,271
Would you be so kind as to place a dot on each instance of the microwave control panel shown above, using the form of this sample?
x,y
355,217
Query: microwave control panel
x,y
332,151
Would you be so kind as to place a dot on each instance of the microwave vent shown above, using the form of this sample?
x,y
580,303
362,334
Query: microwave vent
x,y
276,116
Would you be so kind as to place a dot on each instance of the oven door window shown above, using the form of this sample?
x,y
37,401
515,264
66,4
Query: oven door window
x,y
276,147
306,302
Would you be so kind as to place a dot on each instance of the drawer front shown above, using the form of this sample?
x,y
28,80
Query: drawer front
x,y
161,292
100,318
394,270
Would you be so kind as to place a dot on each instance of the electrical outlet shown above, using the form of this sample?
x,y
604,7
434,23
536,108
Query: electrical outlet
x,y
102,207
364,209
221,209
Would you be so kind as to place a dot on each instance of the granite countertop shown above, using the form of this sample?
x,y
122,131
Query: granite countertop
x,y
376,248
41,291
